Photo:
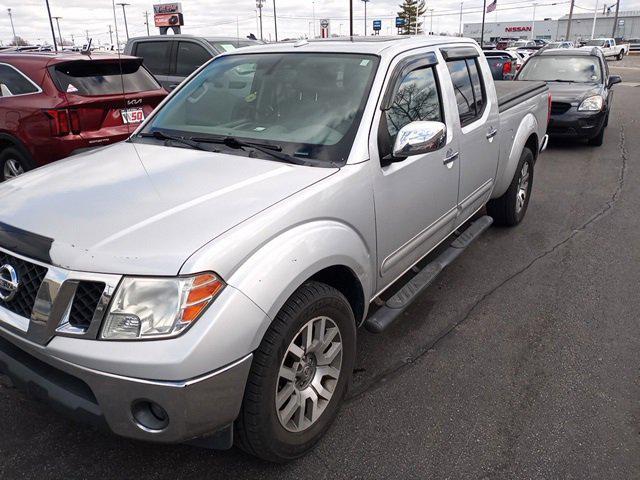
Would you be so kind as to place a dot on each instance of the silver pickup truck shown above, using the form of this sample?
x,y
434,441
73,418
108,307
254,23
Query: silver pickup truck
x,y
203,281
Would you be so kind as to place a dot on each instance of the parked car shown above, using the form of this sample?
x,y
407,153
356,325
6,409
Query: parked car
x,y
634,45
562,44
580,85
608,47
56,105
172,58
503,64
505,42
212,270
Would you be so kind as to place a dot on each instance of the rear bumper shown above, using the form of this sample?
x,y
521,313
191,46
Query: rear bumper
x,y
575,124
195,408
57,148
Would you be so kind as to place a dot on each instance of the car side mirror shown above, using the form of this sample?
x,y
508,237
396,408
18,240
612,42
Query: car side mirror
x,y
613,79
418,138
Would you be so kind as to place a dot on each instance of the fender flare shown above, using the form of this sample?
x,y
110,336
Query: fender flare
x,y
528,126
273,272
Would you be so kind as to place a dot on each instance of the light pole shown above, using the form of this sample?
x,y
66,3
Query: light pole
x,y
595,15
259,5
431,27
146,21
12,27
313,15
460,28
351,18
275,19
124,13
53,33
533,20
57,19
365,16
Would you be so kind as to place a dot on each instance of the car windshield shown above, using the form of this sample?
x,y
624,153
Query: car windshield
x,y
594,43
581,69
304,104
230,45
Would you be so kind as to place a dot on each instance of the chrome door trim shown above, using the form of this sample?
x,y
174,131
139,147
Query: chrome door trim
x,y
395,257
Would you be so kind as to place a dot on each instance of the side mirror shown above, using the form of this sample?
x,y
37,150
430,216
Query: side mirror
x,y
613,79
418,138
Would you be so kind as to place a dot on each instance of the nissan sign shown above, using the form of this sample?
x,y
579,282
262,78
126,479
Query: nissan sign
x,y
518,29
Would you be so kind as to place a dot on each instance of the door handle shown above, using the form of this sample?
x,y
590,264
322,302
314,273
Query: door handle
x,y
450,158
492,133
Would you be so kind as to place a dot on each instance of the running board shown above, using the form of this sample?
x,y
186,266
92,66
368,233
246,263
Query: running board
x,y
391,310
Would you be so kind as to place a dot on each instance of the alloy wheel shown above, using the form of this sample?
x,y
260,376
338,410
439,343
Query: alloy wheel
x,y
523,188
308,374
12,168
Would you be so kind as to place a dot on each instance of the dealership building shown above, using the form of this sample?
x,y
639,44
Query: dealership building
x,y
581,25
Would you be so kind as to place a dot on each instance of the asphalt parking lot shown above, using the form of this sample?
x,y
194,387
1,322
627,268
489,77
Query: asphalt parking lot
x,y
521,361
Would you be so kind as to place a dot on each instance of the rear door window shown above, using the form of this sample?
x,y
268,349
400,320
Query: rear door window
x,y
190,57
13,82
94,78
469,89
155,56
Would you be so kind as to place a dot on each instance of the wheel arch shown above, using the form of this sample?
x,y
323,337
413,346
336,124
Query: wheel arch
x,y
7,141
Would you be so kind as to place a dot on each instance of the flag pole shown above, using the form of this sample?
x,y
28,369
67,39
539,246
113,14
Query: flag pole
x,y
484,10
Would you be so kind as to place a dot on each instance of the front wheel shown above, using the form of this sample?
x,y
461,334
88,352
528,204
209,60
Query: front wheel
x,y
509,209
299,375
620,56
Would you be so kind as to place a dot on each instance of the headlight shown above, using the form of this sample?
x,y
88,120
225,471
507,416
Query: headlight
x,y
591,104
145,307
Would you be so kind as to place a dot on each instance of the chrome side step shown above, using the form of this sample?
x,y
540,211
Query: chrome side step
x,y
391,310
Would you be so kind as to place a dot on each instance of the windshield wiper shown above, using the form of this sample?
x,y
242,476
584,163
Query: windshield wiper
x,y
196,145
561,80
274,151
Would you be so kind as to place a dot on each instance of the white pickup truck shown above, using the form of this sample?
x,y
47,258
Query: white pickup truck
x,y
609,47
204,280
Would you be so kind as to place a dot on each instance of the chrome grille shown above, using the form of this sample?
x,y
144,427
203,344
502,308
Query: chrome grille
x,y
30,277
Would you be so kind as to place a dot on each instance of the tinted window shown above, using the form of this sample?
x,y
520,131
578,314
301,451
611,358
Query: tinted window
x,y
13,82
103,78
416,99
582,69
468,88
155,56
190,57
231,45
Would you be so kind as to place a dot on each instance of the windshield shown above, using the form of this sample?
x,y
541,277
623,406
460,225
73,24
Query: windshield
x,y
595,43
230,45
307,104
581,69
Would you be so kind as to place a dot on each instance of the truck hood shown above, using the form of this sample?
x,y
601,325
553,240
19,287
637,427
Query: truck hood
x,y
139,209
572,92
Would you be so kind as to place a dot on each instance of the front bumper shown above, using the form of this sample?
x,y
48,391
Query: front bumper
x,y
196,408
575,124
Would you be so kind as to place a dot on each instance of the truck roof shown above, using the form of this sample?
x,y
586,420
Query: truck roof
x,y
376,45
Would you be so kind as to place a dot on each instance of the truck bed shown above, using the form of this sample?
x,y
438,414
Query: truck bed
x,y
512,93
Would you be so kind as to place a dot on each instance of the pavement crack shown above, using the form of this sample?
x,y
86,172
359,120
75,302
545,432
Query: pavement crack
x,y
399,366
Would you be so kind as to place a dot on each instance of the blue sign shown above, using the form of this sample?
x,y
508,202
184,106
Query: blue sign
x,y
400,22
377,24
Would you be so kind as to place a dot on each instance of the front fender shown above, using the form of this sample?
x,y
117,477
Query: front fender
x,y
271,275
528,126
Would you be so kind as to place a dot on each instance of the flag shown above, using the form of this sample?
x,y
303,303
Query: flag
x,y
492,6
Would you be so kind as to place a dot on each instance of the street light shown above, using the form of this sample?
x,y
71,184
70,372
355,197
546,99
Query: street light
x,y
365,16
259,5
57,19
313,14
124,13
431,27
275,19
460,32
12,28
53,34
533,21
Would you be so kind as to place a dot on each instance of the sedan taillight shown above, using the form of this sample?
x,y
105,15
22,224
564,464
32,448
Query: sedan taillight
x,y
506,68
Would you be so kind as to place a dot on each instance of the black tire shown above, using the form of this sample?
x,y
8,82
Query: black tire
x,y
598,140
620,56
504,209
258,429
12,154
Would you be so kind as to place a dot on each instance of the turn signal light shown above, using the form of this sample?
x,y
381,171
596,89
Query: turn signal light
x,y
203,289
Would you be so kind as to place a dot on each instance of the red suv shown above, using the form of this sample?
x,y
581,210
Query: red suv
x,y
53,105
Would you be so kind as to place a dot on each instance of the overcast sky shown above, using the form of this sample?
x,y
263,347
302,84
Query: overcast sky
x,y
224,17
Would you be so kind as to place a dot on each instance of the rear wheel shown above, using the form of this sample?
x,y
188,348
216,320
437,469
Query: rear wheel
x,y
299,375
12,164
620,55
509,209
